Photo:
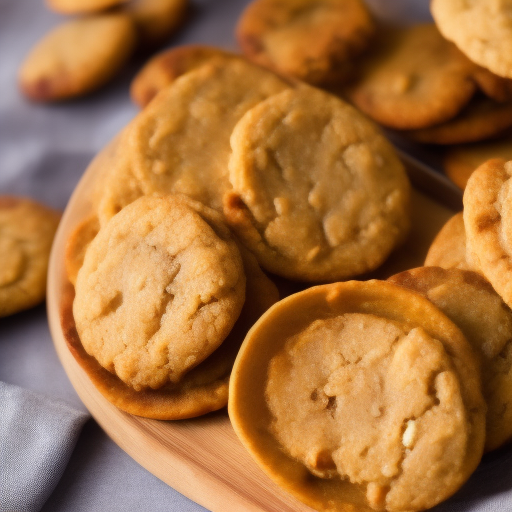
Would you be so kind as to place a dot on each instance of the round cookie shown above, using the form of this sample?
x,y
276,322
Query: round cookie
x,y
163,69
180,142
77,57
482,119
482,30
26,235
156,20
413,78
460,161
470,302
488,224
160,288
82,6
359,396
77,244
313,40
318,193
202,389
448,250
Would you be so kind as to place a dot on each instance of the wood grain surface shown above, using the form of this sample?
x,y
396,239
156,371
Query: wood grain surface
x,y
201,458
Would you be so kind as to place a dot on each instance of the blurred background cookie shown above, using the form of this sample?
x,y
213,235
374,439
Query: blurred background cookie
x,y
312,40
27,229
482,30
318,193
82,6
461,160
77,57
472,304
162,69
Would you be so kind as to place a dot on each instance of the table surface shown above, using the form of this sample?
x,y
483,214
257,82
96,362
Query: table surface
x,y
44,149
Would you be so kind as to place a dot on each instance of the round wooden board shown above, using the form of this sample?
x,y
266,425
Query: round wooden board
x,y
201,458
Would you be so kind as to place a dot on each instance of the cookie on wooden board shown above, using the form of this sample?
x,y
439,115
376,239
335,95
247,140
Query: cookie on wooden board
x,y
359,396
471,303
318,193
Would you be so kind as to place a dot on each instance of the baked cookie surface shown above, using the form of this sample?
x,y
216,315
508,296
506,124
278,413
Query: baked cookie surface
x,y
27,229
448,250
353,396
180,142
488,224
318,193
82,6
164,68
313,40
77,57
472,304
482,30
160,289
413,78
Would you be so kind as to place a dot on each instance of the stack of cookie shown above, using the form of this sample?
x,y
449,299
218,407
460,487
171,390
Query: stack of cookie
x,y
164,291
83,54
414,80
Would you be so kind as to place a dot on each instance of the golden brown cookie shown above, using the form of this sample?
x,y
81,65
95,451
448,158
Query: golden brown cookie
x,y
26,235
460,161
488,224
359,396
164,68
82,6
482,30
318,192
413,78
77,244
448,250
156,20
160,288
180,142
312,40
482,119
77,57
470,302
202,389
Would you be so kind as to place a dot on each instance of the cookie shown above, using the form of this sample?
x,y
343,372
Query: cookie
x,y
318,193
413,78
202,389
27,229
359,396
482,30
77,57
448,250
163,69
156,20
470,302
77,244
482,119
160,288
82,6
487,221
180,142
313,40
460,161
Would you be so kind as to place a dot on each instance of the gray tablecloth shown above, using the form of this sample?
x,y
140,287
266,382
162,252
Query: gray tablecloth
x,y
43,152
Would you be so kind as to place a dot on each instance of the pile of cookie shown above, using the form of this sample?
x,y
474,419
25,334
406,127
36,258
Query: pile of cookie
x,y
228,169
357,395
81,55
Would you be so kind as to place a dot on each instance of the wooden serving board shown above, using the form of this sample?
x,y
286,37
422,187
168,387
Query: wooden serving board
x,y
201,458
